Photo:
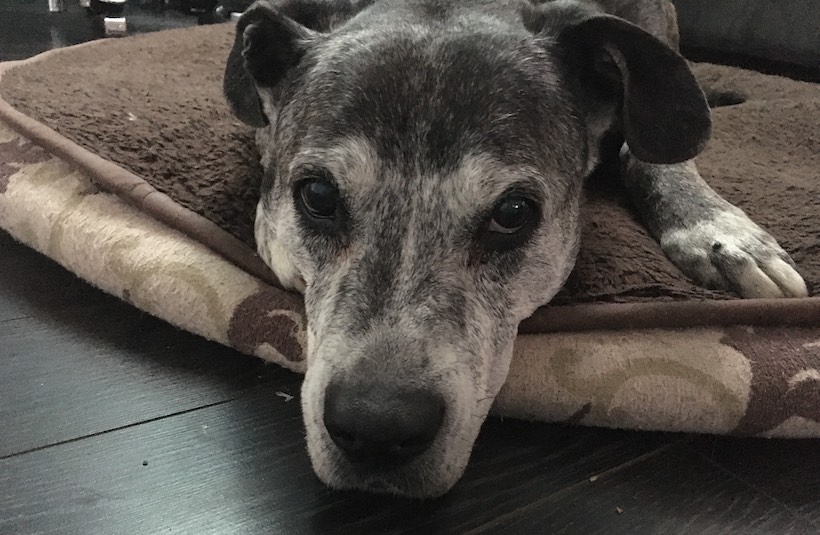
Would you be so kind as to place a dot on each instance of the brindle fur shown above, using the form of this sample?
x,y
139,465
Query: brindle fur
x,y
425,112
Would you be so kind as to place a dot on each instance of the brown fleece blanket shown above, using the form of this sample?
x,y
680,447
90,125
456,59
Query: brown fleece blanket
x,y
632,344
155,108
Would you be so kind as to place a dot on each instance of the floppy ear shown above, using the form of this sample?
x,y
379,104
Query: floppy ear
x,y
271,39
267,46
662,110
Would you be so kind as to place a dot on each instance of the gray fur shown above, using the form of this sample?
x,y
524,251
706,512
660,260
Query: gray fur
x,y
425,113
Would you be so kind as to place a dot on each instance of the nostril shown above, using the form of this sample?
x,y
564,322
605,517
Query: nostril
x,y
381,426
415,442
347,437
412,446
344,440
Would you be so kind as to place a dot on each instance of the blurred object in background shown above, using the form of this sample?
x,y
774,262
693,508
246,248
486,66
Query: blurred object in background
x,y
781,31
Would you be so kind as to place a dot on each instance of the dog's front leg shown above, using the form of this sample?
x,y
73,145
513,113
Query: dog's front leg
x,y
706,237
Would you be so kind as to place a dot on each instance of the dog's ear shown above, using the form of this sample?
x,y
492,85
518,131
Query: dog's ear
x,y
267,45
271,39
662,110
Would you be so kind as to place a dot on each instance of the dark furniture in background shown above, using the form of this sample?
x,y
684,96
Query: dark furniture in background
x,y
784,33
112,14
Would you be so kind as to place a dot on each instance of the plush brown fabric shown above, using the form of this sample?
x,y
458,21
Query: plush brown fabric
x,y
152,104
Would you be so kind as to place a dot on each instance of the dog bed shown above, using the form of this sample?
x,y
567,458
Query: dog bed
x,y
120,160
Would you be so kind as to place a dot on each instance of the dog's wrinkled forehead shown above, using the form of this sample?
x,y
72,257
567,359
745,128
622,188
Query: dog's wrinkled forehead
x,y
425,100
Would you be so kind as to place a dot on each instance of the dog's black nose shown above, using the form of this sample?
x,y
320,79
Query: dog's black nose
x,y
379,425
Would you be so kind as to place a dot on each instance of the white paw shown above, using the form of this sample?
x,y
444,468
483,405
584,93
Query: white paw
x,y
731,252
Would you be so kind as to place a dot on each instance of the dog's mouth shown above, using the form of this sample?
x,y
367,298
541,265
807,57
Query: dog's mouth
x,y
410,486
388,438
428,474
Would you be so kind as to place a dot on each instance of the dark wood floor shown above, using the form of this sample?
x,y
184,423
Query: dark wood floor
x,y
113,422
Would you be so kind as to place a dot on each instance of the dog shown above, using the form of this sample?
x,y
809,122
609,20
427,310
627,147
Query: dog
x,y
424,165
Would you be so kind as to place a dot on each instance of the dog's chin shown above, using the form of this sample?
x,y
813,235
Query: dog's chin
x,y
429,476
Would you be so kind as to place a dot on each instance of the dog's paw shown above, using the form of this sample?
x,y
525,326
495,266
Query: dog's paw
x,y
731,252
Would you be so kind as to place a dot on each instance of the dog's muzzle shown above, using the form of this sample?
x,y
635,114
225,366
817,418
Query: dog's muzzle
x,y
379,426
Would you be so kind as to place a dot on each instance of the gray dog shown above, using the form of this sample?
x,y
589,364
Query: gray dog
x,y
424,163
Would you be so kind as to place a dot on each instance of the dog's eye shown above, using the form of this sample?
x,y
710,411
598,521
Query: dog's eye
x,y
509,225
510,215
319,197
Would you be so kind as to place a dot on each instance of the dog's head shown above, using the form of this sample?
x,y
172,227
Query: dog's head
x,y
424,164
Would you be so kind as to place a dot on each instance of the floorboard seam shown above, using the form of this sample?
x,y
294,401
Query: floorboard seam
x,y
639,459
18,318
754,487
119,428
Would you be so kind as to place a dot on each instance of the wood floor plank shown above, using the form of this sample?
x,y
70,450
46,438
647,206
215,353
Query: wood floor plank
x,y
786,470
241,467
70,374
673,492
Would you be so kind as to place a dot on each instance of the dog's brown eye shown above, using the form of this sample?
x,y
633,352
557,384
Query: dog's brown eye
x,y
319,197
510,215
